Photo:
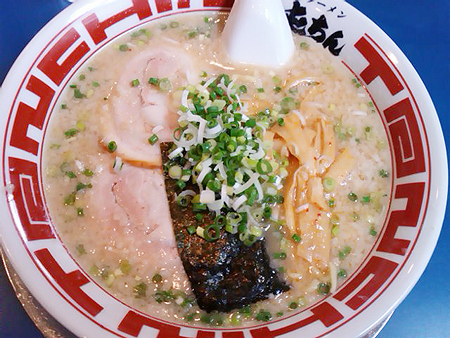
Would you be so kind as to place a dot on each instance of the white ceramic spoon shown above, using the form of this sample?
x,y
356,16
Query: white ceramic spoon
x,y
257,32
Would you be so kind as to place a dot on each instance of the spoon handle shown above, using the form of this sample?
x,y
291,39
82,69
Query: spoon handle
x,y
257,32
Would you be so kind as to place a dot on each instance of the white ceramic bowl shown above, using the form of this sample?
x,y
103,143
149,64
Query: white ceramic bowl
x,y
386,275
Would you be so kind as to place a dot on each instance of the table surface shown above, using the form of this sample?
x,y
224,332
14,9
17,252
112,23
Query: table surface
x,y
420,29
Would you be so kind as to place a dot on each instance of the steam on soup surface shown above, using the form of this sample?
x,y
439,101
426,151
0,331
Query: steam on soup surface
x,y
311,142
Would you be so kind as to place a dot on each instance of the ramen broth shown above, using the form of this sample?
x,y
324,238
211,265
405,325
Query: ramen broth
x,y
105,190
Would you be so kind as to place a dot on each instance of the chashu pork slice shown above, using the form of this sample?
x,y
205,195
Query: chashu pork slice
x,y
134,113
131,214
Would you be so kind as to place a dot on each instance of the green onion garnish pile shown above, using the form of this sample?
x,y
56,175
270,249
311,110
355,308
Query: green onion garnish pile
x,y
219,148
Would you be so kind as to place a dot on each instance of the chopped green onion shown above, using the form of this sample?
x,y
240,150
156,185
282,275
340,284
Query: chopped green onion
x,y
344,252
334,219
87,172
81,186
263,316
164,85
372,231
280,255
267,212
80,212
365,199
356,83
125,266
334,230
323,288
212,232
328,184
331,203
135,83
163,296
264,167
81,250
280,121
70,132
247,239
183,201
71,174
355,216
296,238
251,122
181,184
198,206
112,146
157,278
191,229
383,173
153,139
153,80
352,197
70,199
123,48
140,290
342,273
293,305
77,94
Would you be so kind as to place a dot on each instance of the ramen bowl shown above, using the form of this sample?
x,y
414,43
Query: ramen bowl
x,y
387,273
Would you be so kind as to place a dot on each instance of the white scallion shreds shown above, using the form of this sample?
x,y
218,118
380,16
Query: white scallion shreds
x,y
205,171
247,184
216,205
221,169
238,202
260,190
358,113
207,83
260,153
214,130
80,165
224,196
187,193
207,196
175,153
183,141
184,98
118,164
157,129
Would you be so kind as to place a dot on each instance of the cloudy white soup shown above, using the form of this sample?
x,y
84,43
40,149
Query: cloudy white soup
x,y
205,192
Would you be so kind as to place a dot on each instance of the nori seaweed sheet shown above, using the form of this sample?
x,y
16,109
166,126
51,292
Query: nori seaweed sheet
x,y
225,274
